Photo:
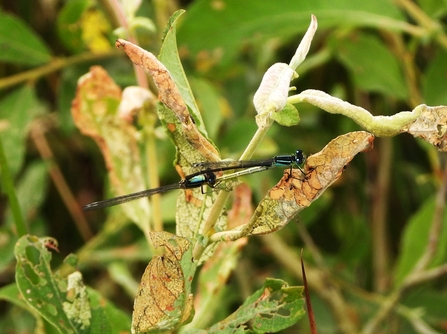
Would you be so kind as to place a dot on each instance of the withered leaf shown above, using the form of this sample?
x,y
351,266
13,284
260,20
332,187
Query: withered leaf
x,y
169,94
95,111
431,126
163,301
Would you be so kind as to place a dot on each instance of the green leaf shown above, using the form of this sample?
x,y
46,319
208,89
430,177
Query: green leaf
x,y
272,308
232,24
35,177
170,58
271,301
372,65
415,240
19,44
11,294
434,85
9,189
214,106
69,28
76,310
18,109
37,284
433,8
106,318
289,116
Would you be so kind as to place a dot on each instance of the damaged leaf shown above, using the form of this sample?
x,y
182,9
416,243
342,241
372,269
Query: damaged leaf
x,y
431,126
169,94
271,309
44,291
97,112
164,301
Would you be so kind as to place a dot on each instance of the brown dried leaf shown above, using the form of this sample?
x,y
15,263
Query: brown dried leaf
x,y
170,95
163,301
295,192
95,111
431,126
167,90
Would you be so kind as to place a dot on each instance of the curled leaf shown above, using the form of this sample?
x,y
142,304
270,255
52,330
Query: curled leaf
x,y
303,48
381,126
271,95
427,123
167,90
431,126
133,100
169,94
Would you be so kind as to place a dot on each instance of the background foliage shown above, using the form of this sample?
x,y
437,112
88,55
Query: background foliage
x,y
365,234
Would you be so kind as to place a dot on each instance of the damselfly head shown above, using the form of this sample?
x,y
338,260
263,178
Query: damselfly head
x,y
299,157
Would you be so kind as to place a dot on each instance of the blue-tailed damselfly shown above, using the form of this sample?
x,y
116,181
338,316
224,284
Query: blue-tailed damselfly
x,y
207,176
277,161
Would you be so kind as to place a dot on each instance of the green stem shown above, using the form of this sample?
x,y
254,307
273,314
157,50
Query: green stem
x,y
53,66
254,142
222,198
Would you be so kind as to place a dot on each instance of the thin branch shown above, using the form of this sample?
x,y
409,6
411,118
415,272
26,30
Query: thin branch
x,y
425,21
378,221
419,273
436,227
56,175
55,65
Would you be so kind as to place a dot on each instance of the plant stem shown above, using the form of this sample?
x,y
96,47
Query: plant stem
x,y
378,221
59,181
55,65
419,273
222,198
